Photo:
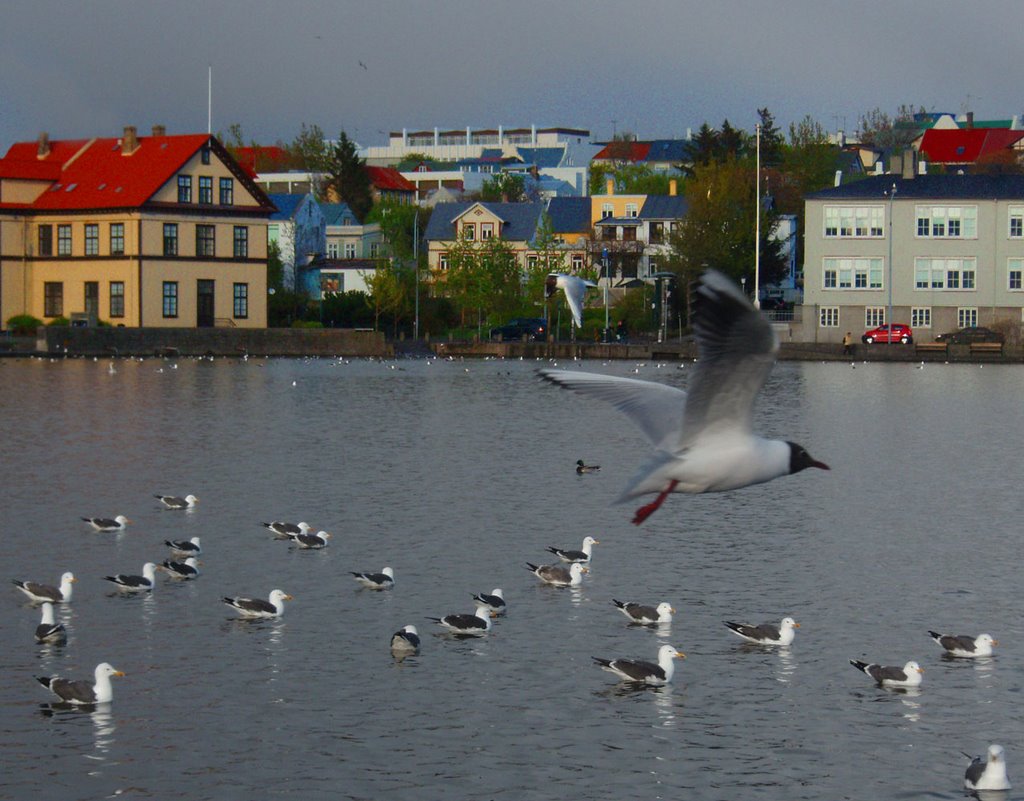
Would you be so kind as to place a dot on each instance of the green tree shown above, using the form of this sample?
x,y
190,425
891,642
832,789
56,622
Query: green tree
x,y
895,133
772,140
310,151
503,187
390,292
347,179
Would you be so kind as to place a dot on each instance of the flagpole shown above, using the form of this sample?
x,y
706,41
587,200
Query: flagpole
x,y
757,227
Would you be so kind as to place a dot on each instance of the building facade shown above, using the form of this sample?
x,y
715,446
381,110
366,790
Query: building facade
x,y
163,231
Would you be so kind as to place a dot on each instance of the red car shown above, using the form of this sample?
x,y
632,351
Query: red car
x,y
897,331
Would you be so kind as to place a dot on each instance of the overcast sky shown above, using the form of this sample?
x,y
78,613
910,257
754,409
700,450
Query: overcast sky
x,y
79,68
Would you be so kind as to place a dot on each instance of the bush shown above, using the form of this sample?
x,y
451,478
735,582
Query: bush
x,y
59,322
24,325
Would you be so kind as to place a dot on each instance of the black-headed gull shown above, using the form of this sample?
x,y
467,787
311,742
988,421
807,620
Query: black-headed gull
x,y
574,288
964,645
639,672
990,775
703,437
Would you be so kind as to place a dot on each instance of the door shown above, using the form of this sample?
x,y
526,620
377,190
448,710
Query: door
x,y
92,300
204,304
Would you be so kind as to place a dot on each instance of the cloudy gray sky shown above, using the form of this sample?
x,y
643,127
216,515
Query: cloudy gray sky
x,y
78,68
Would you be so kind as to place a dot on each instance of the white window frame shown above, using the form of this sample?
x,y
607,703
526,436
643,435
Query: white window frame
x,y
862,274
874,316
936,275
576,262
853,222
632,210
350,250
828,317
921,317
486,231
1015,222
966,316
1015,275
332,250
469,231
607,210
443,262
939,222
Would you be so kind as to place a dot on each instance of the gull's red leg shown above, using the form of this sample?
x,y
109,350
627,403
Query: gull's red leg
x,y
647,510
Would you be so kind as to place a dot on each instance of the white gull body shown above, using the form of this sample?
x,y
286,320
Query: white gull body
x,y
574,287
988,775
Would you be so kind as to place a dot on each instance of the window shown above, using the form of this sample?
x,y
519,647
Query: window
x,y
92,239
375,250
486,231
45,240
117,298
532,261
204,240
184,188
170,239
241,240
227,191
966,316
469,231
852,274
854,221
350,250
1016,222
332,250
241,300
947,222
577,262
921,317
607,210
629,233
829,317
170,304
657,232
204,154
443,262
874,316
944,274
1015,275
117,239
53,299
205,189
631,210
63,240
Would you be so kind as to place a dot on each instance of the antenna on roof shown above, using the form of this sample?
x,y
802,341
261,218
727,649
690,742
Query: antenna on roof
x,y
209,99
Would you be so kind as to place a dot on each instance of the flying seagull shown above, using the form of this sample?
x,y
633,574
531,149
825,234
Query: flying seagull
x,y
574,288
703,438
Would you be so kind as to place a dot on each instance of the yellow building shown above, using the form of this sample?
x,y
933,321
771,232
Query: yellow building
x,y
156,231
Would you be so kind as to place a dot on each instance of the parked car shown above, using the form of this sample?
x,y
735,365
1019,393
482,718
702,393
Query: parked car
x,y
897,332
966,336
533,328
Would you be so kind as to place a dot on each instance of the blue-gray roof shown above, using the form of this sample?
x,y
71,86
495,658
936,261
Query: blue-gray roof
x,y
928,187
520,219
286,205
674,150
664,207
338,214
569,215
543,157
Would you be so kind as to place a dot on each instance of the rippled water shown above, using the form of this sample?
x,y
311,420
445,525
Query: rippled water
x,y
456,474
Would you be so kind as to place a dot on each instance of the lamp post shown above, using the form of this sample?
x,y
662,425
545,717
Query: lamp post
x,y
416,267
757,224
607,280
892,195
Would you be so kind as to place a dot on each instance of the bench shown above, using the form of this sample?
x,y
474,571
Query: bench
x,y
922,348
986,348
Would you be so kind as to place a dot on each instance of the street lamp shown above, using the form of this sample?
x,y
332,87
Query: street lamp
x,y
888,313
607,280
416,267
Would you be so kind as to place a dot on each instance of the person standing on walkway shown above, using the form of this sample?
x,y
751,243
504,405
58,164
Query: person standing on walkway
x,y
848,344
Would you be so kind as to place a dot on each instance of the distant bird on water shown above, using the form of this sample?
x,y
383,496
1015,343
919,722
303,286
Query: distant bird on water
x,y
990,775
405,641
558,576
965,646
126,582
310,541
582,468
174,502
257,607
464,625
384,580
766,633
645,615
49,630
907,676
181,570
82,692
640,672
108,523
189,547
283,530
582,556
41,593
493,600
703,437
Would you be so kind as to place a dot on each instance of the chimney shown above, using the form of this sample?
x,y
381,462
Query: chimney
x,y
970,119
130,142
610,187
908,164
43,150
672,187
159,130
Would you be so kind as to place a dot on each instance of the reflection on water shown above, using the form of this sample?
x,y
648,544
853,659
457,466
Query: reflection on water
x,y
456,479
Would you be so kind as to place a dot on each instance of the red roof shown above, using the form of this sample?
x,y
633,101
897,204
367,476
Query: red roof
x,y
966,145
28,170
269,158
93,174
637,151
389,179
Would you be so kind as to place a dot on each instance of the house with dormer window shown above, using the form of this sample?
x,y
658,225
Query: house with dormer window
x,y
162,231
514,223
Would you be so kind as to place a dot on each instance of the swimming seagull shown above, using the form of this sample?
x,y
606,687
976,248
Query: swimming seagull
x,y
766,633
703,438
582,467
108,524
310,541
40,593
990,775
257,607
582,556
558,576
49,630
640,672
174,502
473,625
645,615
181,570
574,288
493,600
82,692
384,580
405,641
962,645
282,530
185,547
128,583
907,676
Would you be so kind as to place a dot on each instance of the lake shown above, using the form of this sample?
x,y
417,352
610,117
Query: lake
x,y
456,474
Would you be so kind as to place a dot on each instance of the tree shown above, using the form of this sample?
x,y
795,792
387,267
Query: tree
x,y
702,149
347,179
503,187
732,142
390,291
772,141
311,152
878,129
